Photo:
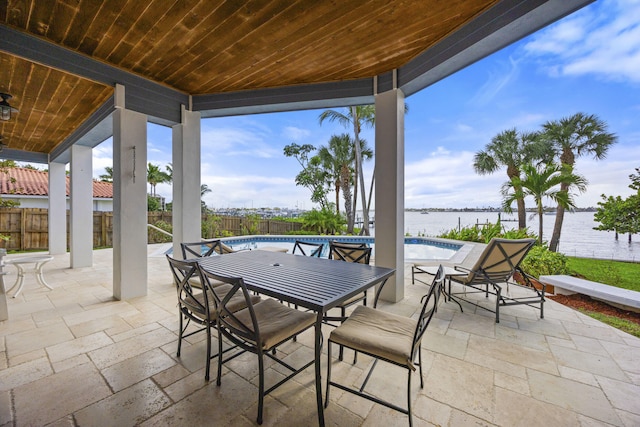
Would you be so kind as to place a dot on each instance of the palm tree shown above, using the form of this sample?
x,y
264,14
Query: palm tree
x,y
540,182
155,176
204,189
108,175
512,149
337,159
570,138
356,117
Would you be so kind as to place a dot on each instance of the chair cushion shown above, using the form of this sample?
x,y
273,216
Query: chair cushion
x,y
236,303
276,321
379,333
353,299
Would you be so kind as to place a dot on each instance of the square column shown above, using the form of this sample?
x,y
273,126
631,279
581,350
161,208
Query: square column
x,y
129,202
57,208
389,192
187,215
81,238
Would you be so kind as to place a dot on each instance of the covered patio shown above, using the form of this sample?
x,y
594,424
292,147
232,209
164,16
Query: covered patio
x,y
80,73
75,356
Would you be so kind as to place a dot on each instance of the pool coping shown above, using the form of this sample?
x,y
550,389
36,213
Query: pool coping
x,y
457,258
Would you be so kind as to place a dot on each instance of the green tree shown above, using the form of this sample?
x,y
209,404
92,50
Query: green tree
x,y
313,176
512,149
337,159
611,214
153,204
204,189
155,176
543,182
108,175
356,117
618,215
570,138
6,164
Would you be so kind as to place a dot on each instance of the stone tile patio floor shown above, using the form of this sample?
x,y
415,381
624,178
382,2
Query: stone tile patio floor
x,y
74,356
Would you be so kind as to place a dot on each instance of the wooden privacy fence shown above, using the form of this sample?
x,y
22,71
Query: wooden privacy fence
x,y
28,228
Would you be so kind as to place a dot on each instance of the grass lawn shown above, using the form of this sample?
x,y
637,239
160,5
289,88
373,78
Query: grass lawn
x,y
622,324
615,273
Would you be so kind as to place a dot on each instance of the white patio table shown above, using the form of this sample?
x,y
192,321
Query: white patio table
x,y
38,260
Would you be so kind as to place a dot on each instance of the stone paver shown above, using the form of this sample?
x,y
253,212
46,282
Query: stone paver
x,y
75,356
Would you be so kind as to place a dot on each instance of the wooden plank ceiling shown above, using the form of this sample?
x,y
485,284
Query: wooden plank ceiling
x,y
206,47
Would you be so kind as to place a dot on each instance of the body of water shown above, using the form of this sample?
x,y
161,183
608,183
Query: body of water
x,y
414,248
578,237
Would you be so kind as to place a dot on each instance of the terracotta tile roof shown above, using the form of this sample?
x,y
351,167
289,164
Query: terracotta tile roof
x,y
29,182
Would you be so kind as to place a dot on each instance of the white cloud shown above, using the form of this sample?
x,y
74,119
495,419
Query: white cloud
x,y
600,40
496,82
447,179
236,141
296,134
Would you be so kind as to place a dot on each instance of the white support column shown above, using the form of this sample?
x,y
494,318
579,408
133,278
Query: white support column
x,y
57,208
81,192
129,201
186,181
389,193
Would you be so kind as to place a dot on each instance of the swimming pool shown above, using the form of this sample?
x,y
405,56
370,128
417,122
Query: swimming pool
x,y
415,248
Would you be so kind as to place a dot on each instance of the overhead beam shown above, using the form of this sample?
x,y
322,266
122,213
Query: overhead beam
x,y
143,95
300,97
24,156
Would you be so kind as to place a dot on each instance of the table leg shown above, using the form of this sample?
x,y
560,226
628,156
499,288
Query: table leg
x,y
19,281
40,274
318,373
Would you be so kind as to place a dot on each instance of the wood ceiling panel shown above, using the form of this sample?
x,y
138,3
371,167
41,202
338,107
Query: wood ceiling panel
x,y
203,46
211,46
51,104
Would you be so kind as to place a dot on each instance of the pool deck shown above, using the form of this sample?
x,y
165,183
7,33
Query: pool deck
x,y
74,356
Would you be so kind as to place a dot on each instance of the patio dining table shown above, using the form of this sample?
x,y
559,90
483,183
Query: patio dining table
x,y
316,284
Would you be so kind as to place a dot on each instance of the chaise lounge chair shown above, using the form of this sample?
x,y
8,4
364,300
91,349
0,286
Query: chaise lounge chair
x,y
494,269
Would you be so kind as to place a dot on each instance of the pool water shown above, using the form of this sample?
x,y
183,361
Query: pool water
x,y
415,248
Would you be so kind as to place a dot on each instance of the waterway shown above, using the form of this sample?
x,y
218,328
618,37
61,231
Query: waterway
x,y
578,238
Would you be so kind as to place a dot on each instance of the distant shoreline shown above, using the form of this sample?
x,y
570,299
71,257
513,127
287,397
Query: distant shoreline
x,y
493,210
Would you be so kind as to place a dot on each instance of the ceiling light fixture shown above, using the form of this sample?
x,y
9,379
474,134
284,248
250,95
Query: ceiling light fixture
x,y
5,108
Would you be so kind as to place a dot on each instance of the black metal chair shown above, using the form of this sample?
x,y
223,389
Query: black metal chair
x,y
259,328
348,252
196,304
307,248
388,337
197,249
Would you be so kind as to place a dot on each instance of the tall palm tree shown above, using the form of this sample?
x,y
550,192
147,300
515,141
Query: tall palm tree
x,y
356,117
155,176
512,149
337,157
540,182
570,138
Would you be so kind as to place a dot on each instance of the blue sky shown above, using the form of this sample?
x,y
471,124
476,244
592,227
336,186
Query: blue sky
x,y
588,62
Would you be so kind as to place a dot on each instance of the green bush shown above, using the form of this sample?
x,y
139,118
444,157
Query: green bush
x,y
541,261
154,236
325,221
211,226
486,232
